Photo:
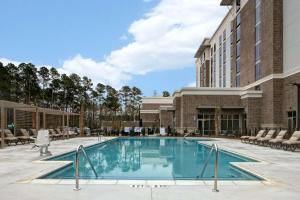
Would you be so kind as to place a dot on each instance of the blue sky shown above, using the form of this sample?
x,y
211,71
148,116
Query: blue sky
x,y
145,43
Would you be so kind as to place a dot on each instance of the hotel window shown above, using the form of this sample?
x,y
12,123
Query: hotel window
x,y
238,19
238,80
238,66
224,64
238,33
238,49
257,71
220,66
258,39
224,35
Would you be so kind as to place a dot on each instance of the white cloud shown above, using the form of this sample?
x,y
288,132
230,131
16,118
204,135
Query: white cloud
x,y
192,84
5,61
165,38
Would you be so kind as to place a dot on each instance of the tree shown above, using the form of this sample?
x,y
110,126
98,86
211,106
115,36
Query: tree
x,y
4,83
44,75
100,89
54,86
15,82
166,94
136,101
30,84
112,102
125,95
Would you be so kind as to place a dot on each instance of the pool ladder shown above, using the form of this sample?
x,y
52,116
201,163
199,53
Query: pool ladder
x,y
81,148
214,147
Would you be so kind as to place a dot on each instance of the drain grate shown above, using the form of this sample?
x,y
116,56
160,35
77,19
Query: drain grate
x,y
144,186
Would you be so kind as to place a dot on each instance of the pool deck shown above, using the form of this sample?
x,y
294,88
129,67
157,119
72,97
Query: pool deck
x,y
20,165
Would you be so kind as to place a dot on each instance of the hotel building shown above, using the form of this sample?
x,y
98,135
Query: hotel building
x,y
247,74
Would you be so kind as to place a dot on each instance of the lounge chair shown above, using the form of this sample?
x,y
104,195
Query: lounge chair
x,y
25,137
9,137
264,140
278,140
253,138
60,134
53,135
293,143
245,138
33,132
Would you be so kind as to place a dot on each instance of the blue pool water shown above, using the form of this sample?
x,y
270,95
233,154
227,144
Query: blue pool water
x,y
151,158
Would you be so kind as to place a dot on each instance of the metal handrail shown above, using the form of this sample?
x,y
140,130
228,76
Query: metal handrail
x,y
81,148
214,147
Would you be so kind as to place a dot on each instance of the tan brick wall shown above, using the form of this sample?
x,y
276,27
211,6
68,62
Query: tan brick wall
x,y
166,118
150,119
190,103
272,37
253,111
247,58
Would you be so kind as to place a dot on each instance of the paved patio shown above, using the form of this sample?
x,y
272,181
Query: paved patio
x,y
19,166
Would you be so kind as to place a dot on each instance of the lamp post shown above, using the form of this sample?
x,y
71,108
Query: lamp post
x,y
297,104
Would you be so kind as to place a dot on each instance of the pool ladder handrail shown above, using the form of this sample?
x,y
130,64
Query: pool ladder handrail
x,y
214,147
81,148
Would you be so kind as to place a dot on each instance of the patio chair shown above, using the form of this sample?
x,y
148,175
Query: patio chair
x,y
278,139
9,138
253,139
25,137
59,133
293,143
33,132
247,138
53,135
264,140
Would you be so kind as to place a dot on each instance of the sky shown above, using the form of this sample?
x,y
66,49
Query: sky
x,y
149,44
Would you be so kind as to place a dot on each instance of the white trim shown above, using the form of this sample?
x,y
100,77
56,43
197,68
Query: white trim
x,y
251,94
149,111
273,76
157,100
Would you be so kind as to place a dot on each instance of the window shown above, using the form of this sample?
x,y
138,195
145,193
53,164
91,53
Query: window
x,y
257,51
224,35
257,33
220,66
258,39
230,123
220,40
238,66
257,71
238,33
231,26
238,19
238,49
238,80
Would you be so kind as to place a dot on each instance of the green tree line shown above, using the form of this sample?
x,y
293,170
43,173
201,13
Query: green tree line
x,y
43,87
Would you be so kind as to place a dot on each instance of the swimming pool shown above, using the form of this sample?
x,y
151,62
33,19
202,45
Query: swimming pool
x,y
151,159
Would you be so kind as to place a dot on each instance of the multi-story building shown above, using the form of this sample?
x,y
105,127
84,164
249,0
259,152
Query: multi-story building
x,y
247,72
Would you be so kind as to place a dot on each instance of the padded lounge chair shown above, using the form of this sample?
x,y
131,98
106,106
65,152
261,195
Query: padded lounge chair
x,y
33,132
25,136
264,140
9,137
293,143
58,131
253,138
53,135
278,139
